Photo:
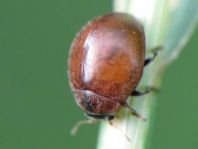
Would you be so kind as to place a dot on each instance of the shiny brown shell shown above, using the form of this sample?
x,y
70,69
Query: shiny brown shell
x,y
106,63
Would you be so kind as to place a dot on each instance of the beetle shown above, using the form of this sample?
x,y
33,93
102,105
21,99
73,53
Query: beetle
x,y
106,62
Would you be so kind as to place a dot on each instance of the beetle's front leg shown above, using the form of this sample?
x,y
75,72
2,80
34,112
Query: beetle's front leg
x,y
133,111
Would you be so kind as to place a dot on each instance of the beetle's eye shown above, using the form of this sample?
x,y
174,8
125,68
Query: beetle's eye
x,y
88,104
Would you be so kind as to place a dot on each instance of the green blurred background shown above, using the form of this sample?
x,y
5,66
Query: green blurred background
x,y
37,109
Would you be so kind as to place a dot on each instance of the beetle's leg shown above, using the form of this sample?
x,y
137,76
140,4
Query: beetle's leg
x,y
146,91
111,123
150,59
82,122
133,111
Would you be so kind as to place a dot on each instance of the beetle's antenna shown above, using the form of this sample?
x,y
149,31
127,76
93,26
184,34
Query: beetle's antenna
x,y
128,139
133,111
80,123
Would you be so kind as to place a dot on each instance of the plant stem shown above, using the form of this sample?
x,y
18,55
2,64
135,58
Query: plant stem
x,y
159,20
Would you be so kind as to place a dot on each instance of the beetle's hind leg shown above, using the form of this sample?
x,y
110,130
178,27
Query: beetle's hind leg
x,y
133,111
150,59
146,91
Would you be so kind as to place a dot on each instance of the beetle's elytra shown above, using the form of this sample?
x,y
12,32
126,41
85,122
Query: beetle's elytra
x,y
106,63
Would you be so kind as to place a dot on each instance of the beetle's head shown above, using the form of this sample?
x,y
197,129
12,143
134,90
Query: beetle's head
x,y
100,116
96,106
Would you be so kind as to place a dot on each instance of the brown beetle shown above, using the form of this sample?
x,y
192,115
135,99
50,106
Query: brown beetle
x,y
106,63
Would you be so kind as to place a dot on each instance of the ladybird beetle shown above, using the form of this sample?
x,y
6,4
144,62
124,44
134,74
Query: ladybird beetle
x,y
106,63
